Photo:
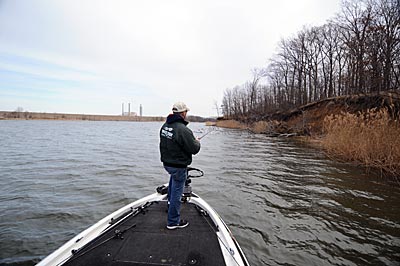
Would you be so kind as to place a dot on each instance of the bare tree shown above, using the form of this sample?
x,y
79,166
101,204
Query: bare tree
x,y
216,107
357,52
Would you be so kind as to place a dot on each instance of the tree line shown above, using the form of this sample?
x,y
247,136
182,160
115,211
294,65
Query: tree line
x,y
358,51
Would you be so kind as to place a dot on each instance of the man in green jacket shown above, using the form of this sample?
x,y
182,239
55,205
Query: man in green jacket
x,y
177,145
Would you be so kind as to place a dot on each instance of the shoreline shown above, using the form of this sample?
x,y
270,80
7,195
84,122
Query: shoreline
x,y
6,115
338,151
14,115
359,129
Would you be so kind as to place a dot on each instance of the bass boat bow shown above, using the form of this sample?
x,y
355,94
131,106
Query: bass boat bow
x,y
136,235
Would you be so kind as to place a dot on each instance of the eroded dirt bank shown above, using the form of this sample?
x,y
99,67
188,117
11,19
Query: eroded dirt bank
x,y
363,129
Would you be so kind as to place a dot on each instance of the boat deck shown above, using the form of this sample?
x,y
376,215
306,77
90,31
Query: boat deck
x,y
144,240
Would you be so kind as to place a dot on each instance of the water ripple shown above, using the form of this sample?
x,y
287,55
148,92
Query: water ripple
x,y
285,202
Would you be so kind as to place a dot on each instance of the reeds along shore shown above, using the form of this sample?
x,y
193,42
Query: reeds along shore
x,y
371,139
230,124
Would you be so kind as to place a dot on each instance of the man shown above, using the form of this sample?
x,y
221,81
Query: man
x,y
177,145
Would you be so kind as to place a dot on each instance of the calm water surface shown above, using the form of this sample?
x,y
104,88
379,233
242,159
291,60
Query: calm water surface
x,y
287,204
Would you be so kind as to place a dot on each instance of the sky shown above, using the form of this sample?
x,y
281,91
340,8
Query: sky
x,y
74,56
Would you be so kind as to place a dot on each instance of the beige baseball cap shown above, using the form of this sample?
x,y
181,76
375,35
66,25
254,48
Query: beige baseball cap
x,y
180,107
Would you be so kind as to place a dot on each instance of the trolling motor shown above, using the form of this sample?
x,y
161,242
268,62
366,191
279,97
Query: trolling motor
x,y
187,189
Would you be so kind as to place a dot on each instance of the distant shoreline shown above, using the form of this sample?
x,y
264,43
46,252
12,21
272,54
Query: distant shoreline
x,y
7,115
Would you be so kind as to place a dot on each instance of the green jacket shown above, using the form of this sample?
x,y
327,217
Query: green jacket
x,y
177,142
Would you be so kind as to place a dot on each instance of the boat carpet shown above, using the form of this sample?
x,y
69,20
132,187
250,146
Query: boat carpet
x,y
146,241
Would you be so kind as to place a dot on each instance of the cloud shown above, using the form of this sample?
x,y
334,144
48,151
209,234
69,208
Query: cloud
x,y
152,52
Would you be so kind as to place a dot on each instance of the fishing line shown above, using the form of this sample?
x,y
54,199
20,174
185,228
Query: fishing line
x,y
209,131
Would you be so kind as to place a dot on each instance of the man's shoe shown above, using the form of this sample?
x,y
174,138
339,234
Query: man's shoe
x,y
182,224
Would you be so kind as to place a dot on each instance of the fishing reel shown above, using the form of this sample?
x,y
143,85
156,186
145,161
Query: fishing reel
x,y
187,189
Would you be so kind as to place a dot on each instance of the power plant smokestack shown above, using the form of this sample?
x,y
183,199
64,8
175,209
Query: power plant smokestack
x,y
129,109
123,109
141,110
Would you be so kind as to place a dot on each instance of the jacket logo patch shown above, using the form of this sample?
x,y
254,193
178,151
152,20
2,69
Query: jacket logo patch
x,y
167,132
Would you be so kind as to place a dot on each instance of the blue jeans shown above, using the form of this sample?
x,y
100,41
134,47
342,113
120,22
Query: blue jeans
x,y
175,189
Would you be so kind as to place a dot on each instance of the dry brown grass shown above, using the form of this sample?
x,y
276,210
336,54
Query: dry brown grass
x,y
210,123
230,124
371,139
260,127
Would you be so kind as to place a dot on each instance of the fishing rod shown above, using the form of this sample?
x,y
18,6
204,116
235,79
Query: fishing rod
x,y
202,136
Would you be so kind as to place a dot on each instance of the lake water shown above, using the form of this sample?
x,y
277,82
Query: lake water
x,y
286,203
